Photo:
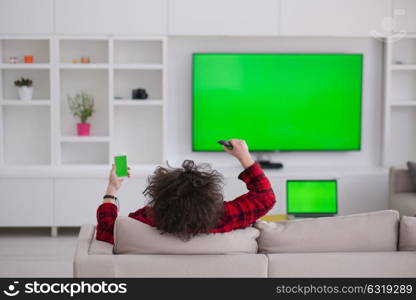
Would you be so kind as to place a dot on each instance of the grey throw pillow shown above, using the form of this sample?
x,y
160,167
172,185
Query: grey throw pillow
x,y
134,237
367,232
407,234
411,165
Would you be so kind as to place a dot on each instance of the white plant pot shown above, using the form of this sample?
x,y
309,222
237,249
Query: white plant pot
x,y
25,92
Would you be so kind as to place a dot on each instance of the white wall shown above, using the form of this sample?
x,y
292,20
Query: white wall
x,y
180,95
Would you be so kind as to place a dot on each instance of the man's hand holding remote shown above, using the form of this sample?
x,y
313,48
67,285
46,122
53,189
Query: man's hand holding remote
x,y
240,151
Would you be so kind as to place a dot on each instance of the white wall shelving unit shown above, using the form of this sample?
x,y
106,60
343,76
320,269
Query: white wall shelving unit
x,y
43,131
399,142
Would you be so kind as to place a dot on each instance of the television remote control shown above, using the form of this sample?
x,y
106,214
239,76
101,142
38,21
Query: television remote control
x,y
227,144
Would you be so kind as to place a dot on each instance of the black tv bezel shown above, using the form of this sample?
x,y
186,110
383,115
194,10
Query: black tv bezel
x,y
312,213
274,53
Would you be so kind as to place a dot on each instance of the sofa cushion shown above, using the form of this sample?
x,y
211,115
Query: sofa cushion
x,y
134,237
200,266
377,231
407,241
343,264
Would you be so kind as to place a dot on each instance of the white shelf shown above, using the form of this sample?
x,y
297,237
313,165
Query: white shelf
x,y
25,102
84,139
408,35
84,66
25,66
130,102
403,103
403,67
138,66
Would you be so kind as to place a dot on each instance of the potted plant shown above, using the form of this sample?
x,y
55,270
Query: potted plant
x,y
25,88
82,106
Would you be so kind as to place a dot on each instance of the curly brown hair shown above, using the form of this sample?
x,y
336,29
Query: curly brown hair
x,y
185,201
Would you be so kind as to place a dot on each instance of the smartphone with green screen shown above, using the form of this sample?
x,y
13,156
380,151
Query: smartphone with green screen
x,y
120,161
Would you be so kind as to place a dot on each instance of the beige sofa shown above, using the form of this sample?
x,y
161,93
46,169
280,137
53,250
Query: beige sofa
x,y
363,245
402,192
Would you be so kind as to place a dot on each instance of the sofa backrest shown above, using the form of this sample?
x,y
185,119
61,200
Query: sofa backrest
x,y
134,237
376,231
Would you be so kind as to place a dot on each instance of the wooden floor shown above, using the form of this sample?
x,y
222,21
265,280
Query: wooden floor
x,y
28,252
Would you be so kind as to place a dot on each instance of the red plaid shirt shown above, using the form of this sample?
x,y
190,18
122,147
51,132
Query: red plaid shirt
x,y
239,213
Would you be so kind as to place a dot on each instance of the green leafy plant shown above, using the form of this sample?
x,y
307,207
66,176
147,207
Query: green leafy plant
x,y
23,82
81,105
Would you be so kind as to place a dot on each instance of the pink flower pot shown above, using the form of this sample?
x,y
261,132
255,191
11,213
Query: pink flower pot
x,y
83,129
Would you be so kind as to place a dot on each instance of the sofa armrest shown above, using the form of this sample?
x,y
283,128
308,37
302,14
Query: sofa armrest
x,y
84,240
87,264
400,181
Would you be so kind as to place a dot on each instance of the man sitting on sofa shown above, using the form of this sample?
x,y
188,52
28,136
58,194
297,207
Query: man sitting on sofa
x,y
189,200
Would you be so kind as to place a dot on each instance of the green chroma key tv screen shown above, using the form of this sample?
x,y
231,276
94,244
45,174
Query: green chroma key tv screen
x,y
311,196
287,102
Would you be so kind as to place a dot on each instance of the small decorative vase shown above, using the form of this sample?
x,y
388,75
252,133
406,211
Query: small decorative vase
x,y
28,59
83,129
85,60
25,92
13,60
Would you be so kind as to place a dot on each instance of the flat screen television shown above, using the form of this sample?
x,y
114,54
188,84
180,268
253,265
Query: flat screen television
x,y
277,102
311,197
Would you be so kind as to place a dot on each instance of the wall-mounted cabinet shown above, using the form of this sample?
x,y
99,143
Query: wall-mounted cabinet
x,y
333,18
26,16
111,17
203,17
217,17
29,202
72,210
404,12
